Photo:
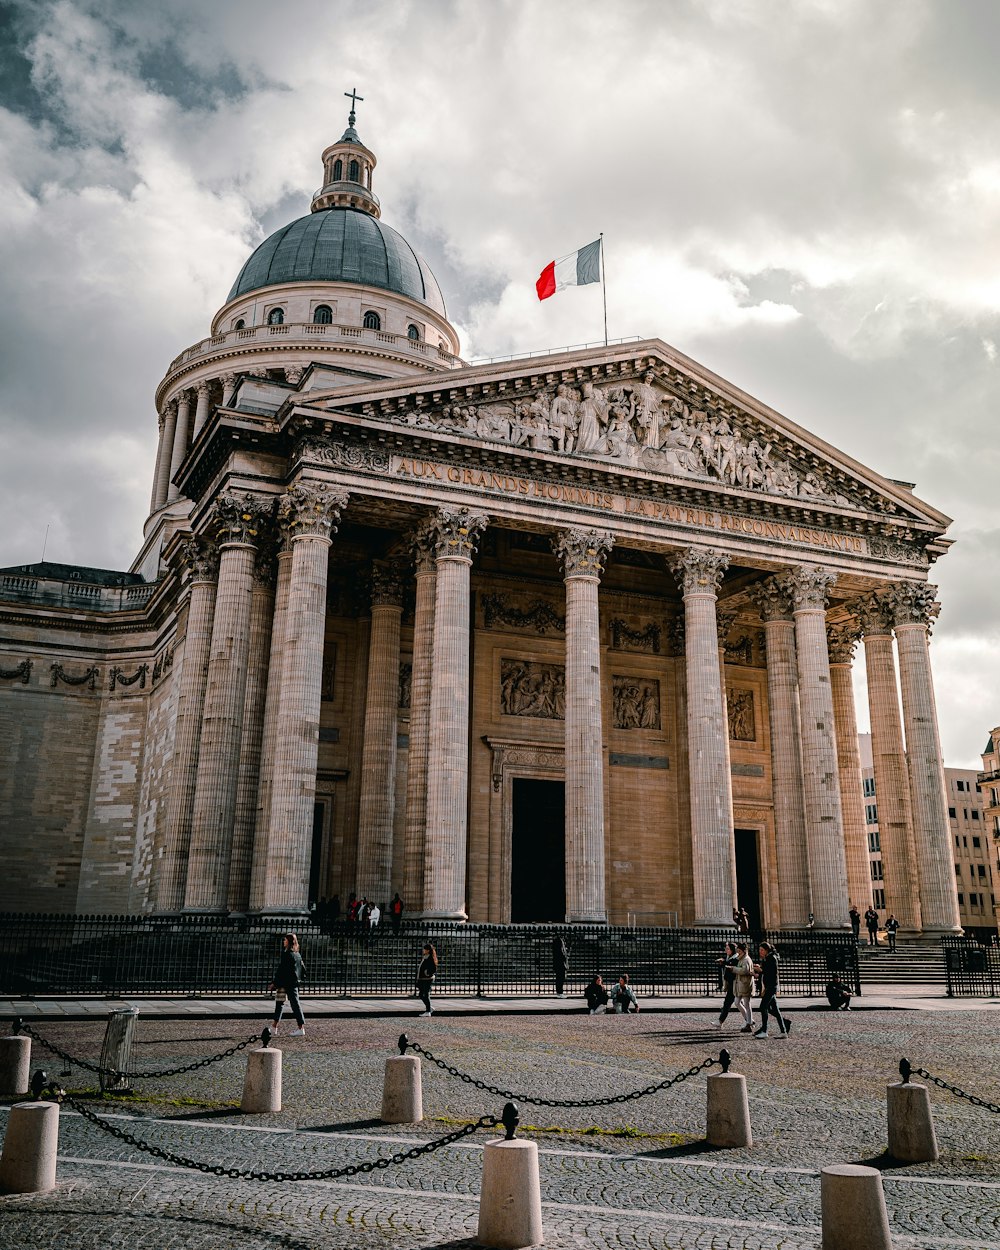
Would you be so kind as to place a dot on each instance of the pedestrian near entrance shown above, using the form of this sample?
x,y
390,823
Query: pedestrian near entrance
x,y
871,923
596,995
728,963
769,990
837,994
743,985
623,998
891,925
855,916
425,976
288,976
396,913
560,963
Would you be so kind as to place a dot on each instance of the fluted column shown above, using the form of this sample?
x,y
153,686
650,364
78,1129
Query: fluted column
x,y
202,558
378,762
204,393
774,599
308,512
914,606
160,423
164,460
180,443
699,574
892,785
423,546
820,770
228,389
262,601
237,522
841,641
583,553
448,762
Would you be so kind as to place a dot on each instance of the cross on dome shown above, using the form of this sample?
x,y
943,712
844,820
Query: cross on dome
x,y
353,96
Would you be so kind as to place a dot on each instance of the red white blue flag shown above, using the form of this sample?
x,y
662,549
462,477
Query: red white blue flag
x,y
576,269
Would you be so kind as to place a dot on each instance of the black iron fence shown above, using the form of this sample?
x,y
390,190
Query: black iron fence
x,y
192,955
972,968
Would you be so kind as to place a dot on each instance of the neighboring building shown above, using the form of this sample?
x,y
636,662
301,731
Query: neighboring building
x,y
552,638
988,786
974,857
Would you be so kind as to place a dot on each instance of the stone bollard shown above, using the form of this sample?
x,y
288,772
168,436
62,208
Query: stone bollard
x,y
728,1117
402,1091
262,1083
28,1163
15,1064
853,1204
911,1125
510,1202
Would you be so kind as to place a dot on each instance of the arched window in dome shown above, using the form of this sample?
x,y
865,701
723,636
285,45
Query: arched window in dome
x,y
372,321
323,315
276,317
353,171
338,170
413,332
240,325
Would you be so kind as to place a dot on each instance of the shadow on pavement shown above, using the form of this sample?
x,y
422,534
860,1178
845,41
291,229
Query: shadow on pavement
x,y
250,1237
884,1162
347,1126
682,1151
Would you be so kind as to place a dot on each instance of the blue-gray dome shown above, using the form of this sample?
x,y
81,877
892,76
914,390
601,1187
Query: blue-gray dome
x,y
340,245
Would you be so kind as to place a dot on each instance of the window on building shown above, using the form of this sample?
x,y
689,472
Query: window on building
x,y
276,317
961,900
240,325
977,843
974,815
323,315
876,870
981,870
874,844
871,813
957,843
338,170
953,813
372,321
869,785
958,870
965,841
878,898
353,171
972,871
413,332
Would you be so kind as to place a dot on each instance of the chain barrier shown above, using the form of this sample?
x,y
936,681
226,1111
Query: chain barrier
x,y
251,1174
905,1071
610,1101
96,1067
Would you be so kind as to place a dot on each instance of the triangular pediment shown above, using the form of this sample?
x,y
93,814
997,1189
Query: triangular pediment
x,y
646,409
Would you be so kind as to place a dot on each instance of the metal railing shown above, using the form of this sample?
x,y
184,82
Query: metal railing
x,y
972,969
554,351
79,955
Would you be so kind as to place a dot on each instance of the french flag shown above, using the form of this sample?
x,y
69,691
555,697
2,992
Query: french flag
x,y
576,269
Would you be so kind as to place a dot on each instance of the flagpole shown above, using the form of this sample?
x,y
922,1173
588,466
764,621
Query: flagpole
x,y
604,292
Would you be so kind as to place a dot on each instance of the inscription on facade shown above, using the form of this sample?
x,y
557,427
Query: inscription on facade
x,y
528,688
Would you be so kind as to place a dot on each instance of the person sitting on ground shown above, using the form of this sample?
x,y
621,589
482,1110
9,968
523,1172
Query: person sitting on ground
x,y
623,997
837,994
596,995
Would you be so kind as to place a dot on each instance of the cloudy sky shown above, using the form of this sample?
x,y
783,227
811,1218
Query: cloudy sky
x,y
803,195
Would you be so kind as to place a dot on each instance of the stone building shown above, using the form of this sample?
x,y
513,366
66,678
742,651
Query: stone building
x,y
555,638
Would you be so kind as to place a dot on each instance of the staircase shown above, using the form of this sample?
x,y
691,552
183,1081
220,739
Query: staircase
x,y
917,962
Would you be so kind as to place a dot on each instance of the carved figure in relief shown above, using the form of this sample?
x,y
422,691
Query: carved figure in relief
x,y
646,410
534,421
741,718
530,689
626,696
592,420
649,707
636,705
562,418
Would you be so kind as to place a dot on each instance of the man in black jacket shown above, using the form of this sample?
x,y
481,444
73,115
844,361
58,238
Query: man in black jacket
x,y
768,968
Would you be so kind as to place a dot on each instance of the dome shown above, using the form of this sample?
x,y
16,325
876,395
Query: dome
x,y
340,245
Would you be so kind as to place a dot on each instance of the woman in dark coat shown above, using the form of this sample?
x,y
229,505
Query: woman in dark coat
x,y
288,976
425,976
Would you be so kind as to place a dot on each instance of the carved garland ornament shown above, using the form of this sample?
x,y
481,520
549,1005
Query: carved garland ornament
x,y
20,673
623,636
88,678
116,677
163,664
539,615
343,455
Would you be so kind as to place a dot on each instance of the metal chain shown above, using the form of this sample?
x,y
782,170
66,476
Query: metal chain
x,y
562,1102
959,1093
113,1072
328,1174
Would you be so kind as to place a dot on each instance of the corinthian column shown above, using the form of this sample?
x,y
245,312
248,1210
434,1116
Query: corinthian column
x,y
914,607
774,599
228,389
423,546
202,558
448,763
153,504
180,443
237,522
820,770
308,512
166,454
378,761
892,786
841,641
204,393
583,553
699,574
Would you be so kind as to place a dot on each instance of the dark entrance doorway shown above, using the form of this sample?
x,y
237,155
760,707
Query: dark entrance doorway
x,y
747,875
538,852
316,853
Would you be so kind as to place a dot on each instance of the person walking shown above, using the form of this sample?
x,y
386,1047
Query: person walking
x,y
560,963
624,998
743,985
855,916
288,976
891,925
396,913
596,995
769,991
871,923
728,965
425,976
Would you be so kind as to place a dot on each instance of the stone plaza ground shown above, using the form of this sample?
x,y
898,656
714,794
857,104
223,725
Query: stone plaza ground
x,y
636,1174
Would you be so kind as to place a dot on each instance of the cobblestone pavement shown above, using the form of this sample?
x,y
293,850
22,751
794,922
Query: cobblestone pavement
x,y
629,1175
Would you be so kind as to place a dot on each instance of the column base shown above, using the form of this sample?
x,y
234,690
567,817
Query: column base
x,y
459,917
586,918
934,931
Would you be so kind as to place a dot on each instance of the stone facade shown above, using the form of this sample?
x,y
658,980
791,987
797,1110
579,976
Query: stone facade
x,y
575,622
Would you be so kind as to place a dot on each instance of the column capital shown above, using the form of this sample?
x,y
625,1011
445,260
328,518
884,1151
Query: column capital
x,y
841,639
310,509
773,598
874,615
810,587
699,570
456,533
422,544
170,407
201,557
293,374
386,584
583,552
204,388
240,517
912,603
725,618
